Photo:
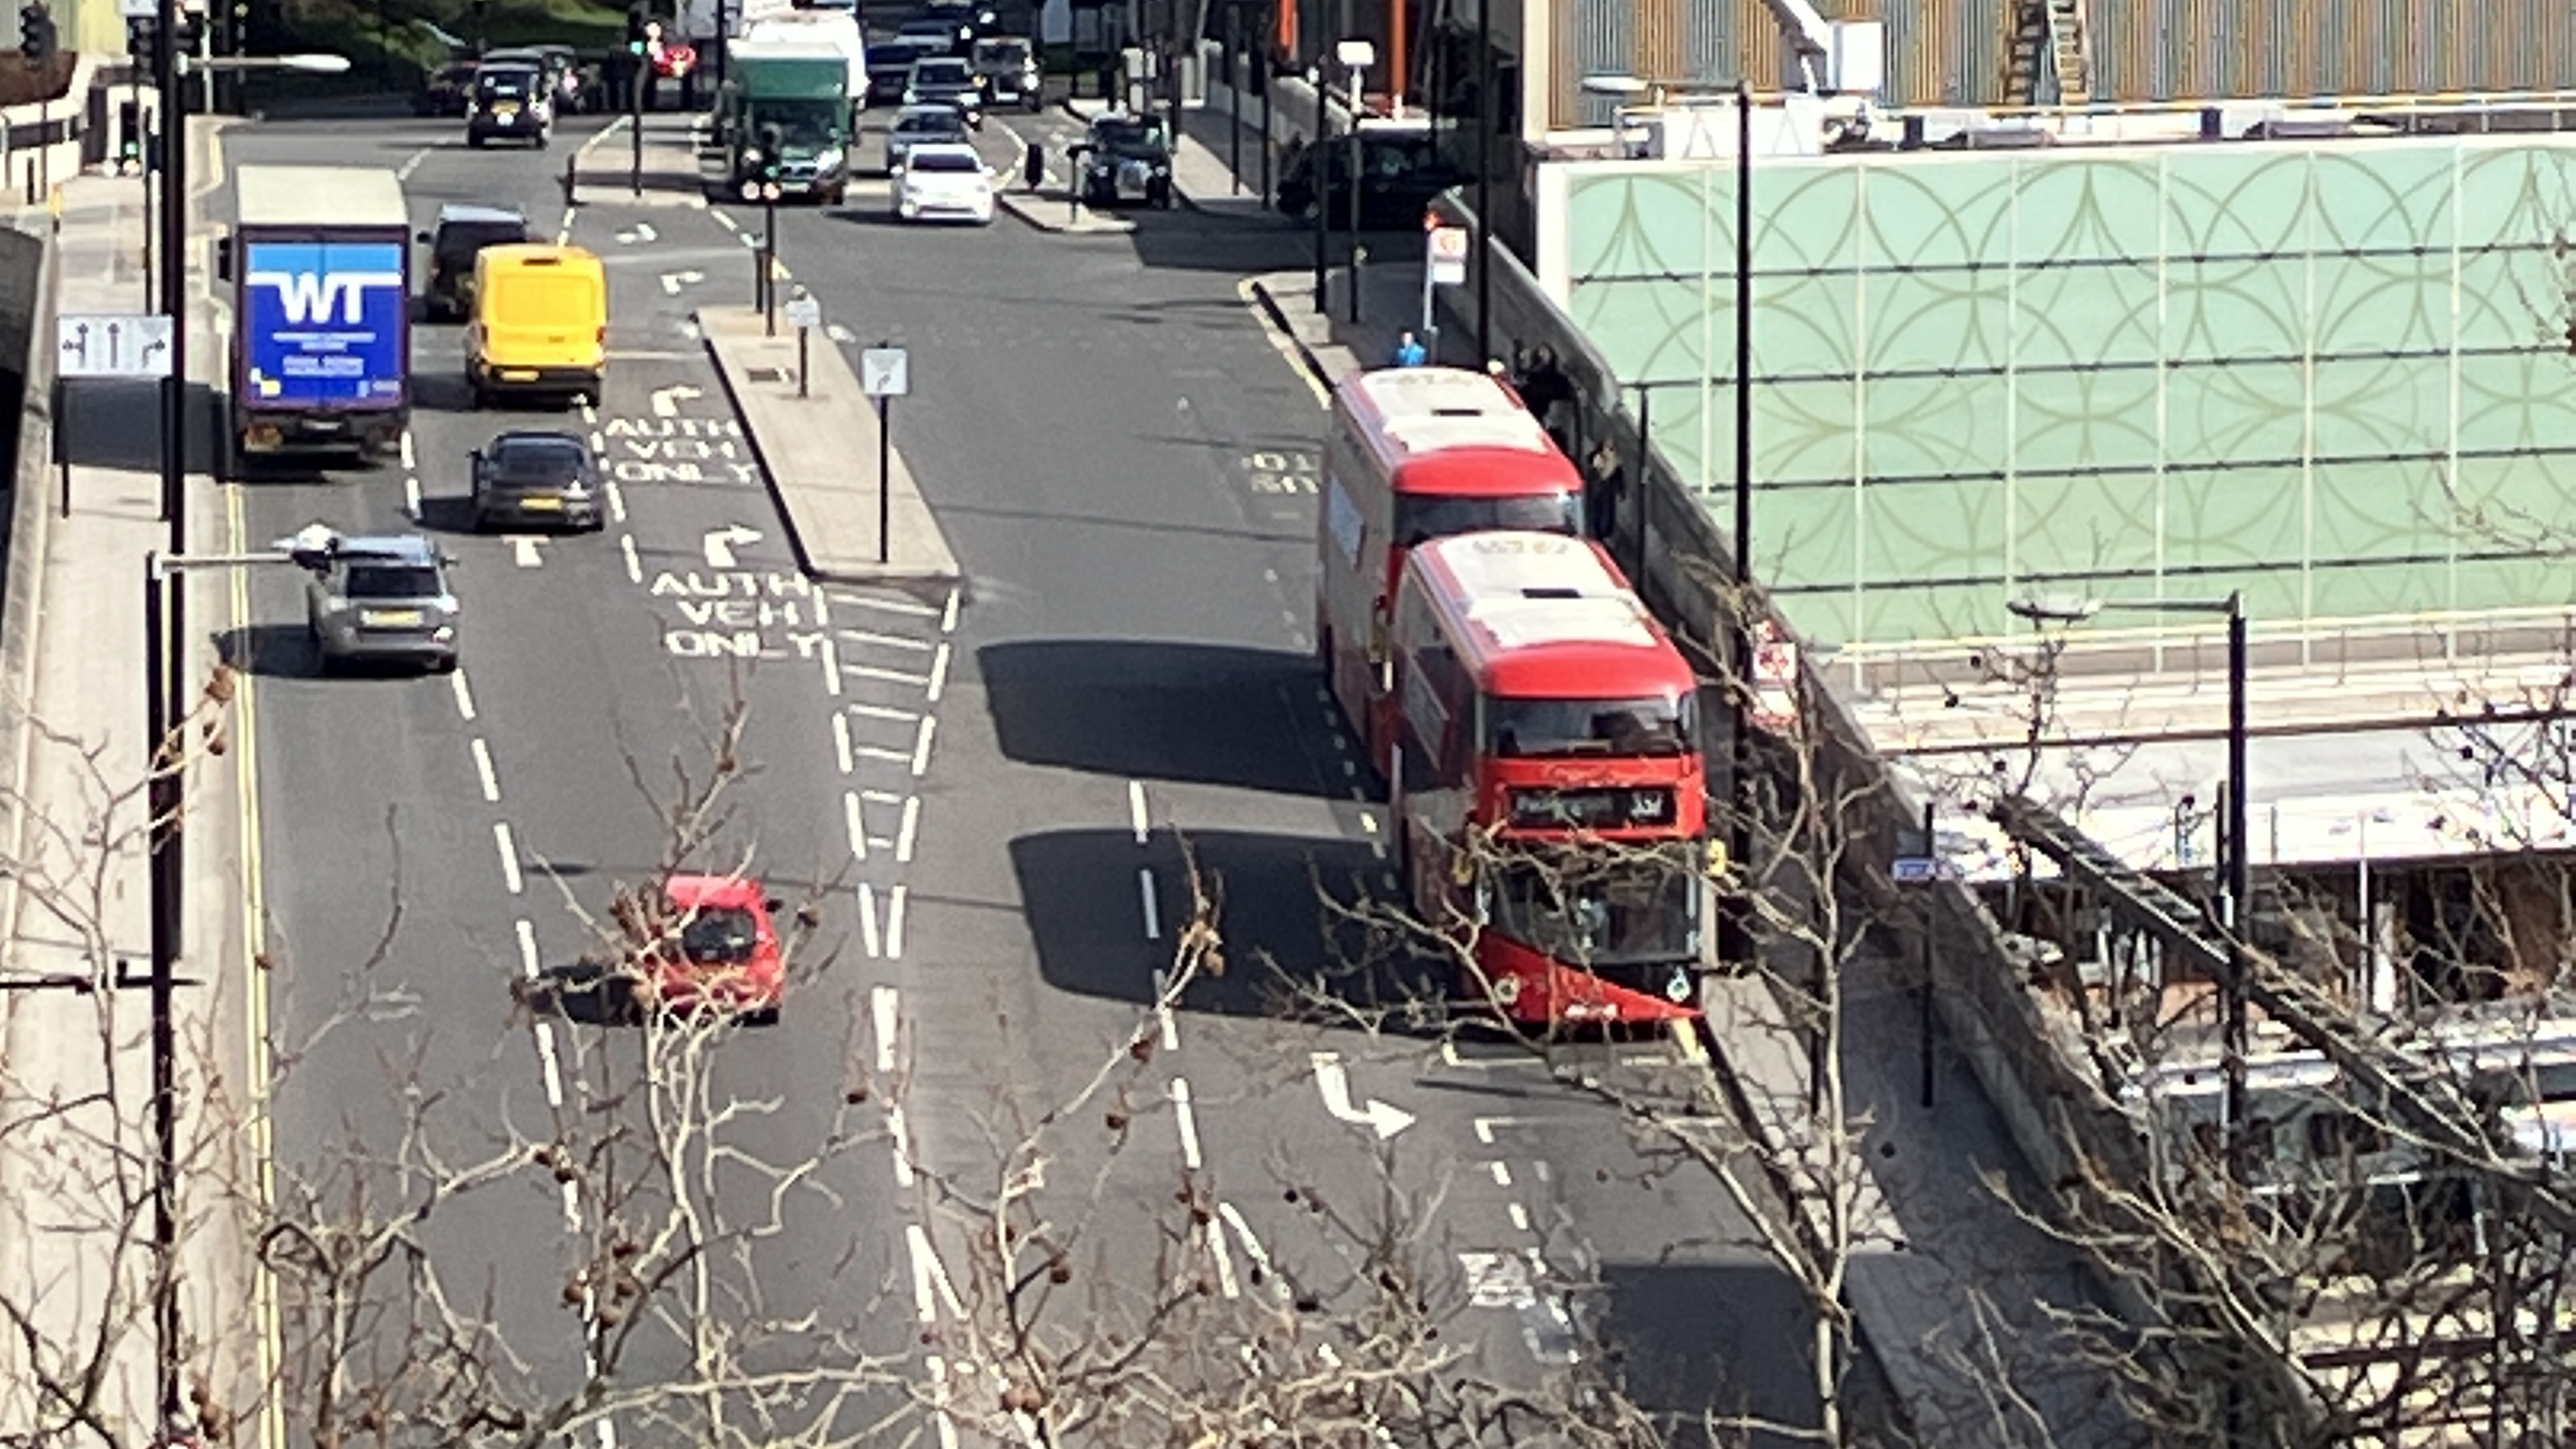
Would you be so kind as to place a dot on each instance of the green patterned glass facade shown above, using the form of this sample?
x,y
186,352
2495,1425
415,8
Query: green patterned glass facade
x,y
2336,375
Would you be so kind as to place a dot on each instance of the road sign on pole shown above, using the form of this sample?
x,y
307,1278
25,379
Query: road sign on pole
x,y
1447,255
885,372
114,345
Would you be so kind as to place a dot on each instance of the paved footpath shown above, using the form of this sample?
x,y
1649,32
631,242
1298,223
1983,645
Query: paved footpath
x,y
76,1148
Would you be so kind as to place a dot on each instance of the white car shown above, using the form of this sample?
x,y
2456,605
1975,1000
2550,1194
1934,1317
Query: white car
x,y
944,179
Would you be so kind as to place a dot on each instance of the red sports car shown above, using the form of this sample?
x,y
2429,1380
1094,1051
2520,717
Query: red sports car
x,y
715,947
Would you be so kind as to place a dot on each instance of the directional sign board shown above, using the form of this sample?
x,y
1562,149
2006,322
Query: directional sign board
x,y
806,312
885,372
114,345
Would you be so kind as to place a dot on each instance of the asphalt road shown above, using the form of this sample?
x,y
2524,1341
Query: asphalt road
x,y
1122,700
479,827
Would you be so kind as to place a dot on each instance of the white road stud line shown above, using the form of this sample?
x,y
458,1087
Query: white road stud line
x,y
931,1288
899,1138
1502,1173
1136,810
948,615
1520,1216
921,746
527,950
509,848
1171,1029
906,607
831,656
411,497
868,921
890,676
634,561
938,681
894,924
908,832
1252,1248
484,772
405,445
1153,911
1185,1117
616,502
1226,1283
841,741
882,797
884,711
851,817
551,1063
890,641
885,1010
464,696
882,752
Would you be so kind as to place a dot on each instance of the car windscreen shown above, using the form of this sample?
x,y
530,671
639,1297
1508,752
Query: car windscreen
x,y
942,73
1002,55
1128,140
538,465
391,581
718,936
949,161
507,85
461,239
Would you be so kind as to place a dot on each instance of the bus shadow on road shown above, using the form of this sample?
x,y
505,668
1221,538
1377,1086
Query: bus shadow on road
x,y
1722,1337
1155,709
1107,915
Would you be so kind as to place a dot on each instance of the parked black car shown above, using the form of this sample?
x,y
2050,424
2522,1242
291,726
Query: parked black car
x,y
1126,158
1401,171
447,291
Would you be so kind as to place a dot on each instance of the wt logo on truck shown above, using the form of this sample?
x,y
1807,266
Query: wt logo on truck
x,y
305,298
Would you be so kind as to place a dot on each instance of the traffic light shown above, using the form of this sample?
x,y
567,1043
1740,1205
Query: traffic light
x,y
635,30
143,42
772,141
36,36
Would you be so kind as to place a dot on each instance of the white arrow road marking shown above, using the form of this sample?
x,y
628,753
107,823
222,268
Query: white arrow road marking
x,y
667,400
721,542
525,548
672,282
839,333
640,232
1335,1083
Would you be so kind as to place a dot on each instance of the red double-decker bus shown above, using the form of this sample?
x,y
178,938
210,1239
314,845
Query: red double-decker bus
x,y
1418,453
1548,784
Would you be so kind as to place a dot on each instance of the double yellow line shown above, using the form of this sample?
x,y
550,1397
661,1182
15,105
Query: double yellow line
x,y
254,944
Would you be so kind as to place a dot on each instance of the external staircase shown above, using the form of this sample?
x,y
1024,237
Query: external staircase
x,y
2046,37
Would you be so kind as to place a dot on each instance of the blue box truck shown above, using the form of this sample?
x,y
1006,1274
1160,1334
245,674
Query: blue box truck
x,y
320,263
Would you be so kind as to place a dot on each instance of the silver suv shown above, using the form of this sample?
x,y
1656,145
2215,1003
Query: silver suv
x,y
382,599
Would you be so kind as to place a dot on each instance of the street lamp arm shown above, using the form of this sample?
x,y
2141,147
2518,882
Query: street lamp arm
x,y
313,64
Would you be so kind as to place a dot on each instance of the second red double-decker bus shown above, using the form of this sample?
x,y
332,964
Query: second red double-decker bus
x,y
1418,453
1548,784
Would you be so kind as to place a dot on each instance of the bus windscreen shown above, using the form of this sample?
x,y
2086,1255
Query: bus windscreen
x,y
1540,728
1421,517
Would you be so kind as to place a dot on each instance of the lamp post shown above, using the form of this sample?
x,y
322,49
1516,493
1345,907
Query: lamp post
x,y
1356,56
1316,190
2237,874
1484,238
166,632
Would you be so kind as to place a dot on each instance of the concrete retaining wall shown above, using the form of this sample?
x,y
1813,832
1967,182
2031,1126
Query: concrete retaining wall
x,y
27,309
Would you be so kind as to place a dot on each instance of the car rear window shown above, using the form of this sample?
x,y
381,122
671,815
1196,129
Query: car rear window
x,y
946,161
943,72
514,84
926,126
392,581
557,299
538,463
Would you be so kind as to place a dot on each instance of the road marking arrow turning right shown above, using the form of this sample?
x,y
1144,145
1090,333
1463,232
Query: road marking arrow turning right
x,y
672,282
1383,1118
721,542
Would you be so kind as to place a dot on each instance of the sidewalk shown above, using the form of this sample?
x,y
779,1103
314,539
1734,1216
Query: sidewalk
x,y
76,1146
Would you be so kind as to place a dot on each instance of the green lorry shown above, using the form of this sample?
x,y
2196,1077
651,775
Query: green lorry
x,y
783,116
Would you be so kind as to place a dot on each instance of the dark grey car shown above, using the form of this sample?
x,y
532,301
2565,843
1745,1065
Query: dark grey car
x,y
945,80
382,599
533,478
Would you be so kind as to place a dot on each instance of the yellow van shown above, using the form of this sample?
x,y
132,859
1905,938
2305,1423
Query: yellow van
x,y
540,324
